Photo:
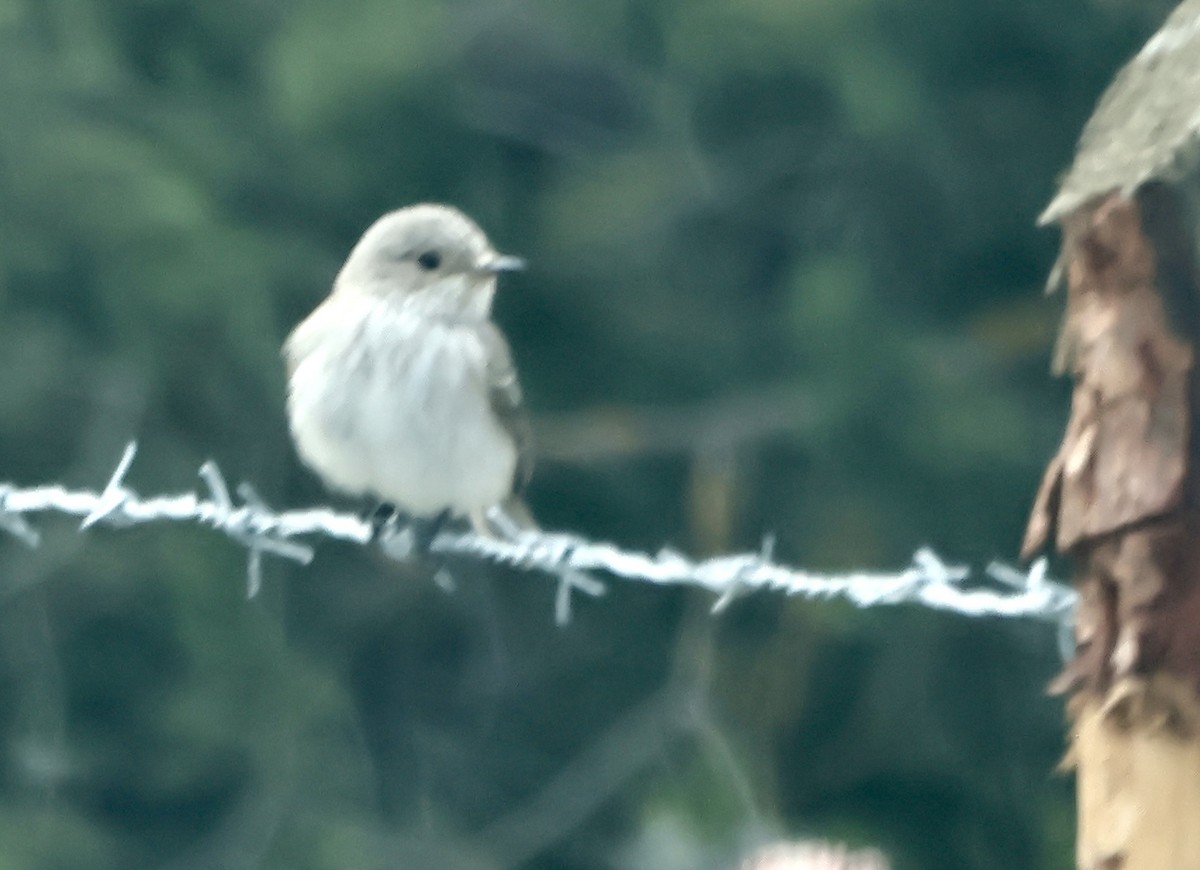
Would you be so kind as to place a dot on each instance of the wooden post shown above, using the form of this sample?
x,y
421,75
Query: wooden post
x,y
1121,496
1118,497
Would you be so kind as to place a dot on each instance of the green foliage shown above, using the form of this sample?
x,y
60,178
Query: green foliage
x,y
718,199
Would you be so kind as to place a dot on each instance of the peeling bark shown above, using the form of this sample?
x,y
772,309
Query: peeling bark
x,y
1123,458
1119,498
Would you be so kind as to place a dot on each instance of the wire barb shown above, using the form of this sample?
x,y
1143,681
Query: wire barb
x,y
114,494
928,581
14,523
253,525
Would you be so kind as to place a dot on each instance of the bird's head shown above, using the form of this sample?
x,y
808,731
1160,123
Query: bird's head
x,y
430,257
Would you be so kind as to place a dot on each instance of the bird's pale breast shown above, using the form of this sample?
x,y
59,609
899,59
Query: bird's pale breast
x,y
386,402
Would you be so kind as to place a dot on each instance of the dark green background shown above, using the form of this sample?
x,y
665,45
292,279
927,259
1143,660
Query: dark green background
x,y
784,279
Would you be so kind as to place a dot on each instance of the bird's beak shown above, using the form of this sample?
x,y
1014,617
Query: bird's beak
x,y
493,262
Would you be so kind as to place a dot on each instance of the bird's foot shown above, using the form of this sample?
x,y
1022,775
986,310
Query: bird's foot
x,y
383,516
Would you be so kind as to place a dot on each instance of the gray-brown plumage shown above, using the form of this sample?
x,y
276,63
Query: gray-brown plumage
x,y
399,384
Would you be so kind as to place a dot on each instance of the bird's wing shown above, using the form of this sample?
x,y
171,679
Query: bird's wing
x,y
307,336
504,394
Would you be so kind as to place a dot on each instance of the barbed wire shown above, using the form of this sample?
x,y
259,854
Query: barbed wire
x,y
1001,590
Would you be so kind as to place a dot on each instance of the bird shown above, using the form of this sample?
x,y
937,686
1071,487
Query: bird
x,y
400,385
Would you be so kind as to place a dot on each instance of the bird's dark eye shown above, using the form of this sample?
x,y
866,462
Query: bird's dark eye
x,y
429,260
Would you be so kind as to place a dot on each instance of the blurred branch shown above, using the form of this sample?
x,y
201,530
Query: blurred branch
x,y
928,581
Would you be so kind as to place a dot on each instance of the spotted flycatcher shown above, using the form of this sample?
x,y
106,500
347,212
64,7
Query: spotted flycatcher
x,y
400,386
